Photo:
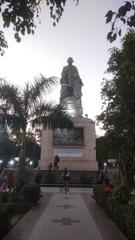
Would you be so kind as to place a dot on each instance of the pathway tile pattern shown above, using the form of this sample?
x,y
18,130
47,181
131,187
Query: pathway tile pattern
x,y
66,221
66,206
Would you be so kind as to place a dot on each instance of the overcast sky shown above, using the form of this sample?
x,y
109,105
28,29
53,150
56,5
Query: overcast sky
x,y
80,34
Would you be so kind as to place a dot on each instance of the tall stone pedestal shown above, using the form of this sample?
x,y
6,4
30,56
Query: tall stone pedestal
x,y
81,156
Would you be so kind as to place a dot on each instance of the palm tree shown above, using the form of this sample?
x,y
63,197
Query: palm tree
x,y
27,106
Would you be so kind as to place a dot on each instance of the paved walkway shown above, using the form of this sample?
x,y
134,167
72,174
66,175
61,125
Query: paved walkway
x,y
60,216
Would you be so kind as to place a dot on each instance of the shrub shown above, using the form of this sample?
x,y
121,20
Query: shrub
x,y
128,221
31,192
101,196
6,197
10,207
116,205
4,222
3,197
23,207
121,194
123,215
113,209
124,218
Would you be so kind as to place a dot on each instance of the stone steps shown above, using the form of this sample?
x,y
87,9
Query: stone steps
x,y
78,178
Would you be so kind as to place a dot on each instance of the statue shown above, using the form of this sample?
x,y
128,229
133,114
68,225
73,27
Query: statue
x,y
71,89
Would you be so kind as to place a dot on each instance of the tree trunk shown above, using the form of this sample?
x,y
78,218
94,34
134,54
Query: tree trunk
x,y
20,174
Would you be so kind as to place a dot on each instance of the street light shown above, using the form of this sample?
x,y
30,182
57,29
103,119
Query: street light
x,y
31,163
11,163
17,159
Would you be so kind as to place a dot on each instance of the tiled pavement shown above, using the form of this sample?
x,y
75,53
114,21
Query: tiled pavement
x,y
60,216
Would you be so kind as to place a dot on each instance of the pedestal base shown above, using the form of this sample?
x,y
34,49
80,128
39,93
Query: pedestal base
x,y
73,157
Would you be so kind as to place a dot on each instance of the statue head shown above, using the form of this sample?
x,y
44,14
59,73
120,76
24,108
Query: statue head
x,y
70,60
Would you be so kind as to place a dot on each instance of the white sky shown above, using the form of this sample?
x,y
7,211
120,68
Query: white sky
x,y
81,34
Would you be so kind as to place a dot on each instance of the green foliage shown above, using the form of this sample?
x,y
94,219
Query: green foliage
x,y
125,15
21,208
10,207
113,209
121,214
101,196
4,222
3,196
118,114
127,221
8,150
22,15
28,107
121,194
31,192
10,203
103,149
6,197
33,150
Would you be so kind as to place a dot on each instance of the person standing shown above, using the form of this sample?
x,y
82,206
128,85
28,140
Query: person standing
x,y
56,161
134,183
66,179
10,181
1,180
50,166
38,176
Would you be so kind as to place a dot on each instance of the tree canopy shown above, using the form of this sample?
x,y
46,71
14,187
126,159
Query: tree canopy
x,y
103,149
118,116
28,106
21,15
124,15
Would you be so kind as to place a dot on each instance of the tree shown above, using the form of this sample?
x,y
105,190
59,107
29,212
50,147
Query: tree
x,y
33,149
8,147
118,116
21,15
25,107
125,15
103,150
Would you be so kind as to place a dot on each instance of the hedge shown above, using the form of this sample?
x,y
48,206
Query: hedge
x,y
4,221
117,207
31,192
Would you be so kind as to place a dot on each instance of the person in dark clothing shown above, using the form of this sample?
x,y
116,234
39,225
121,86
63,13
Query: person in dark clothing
x,y
38,176
50,166
56,161
66,180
